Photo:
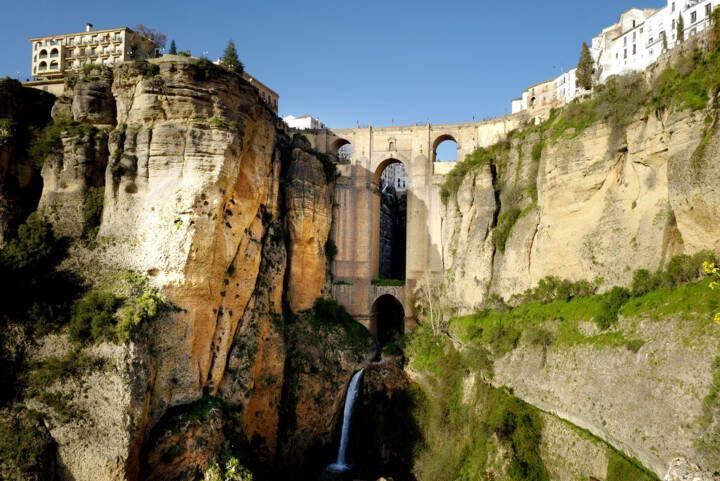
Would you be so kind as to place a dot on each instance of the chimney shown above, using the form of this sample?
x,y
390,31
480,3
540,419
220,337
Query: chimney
x,y
88,27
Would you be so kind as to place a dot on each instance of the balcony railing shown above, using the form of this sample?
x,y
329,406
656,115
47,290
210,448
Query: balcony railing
x,y
54,55
42,56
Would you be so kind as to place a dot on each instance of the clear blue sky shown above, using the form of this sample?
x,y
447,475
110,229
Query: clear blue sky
x,y
372,62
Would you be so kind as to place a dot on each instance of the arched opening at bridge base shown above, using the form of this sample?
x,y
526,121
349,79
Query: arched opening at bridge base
x,y
387,319
390,218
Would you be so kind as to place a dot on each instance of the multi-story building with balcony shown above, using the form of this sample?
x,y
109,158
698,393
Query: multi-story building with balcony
x,y
57,56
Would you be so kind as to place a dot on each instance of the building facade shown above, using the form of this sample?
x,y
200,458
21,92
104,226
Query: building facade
x,y
57,56
631,44
266,93
395,175
303,122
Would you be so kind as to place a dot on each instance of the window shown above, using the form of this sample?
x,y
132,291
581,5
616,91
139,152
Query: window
x,y
693,17
625,54
673,6
673,23
70,64
641,30
392,147
651,40
625,41
708,7
93,51
634,49
117,48
83,40
106,49
71,41
633,23
651,52
634,36
117,37
94,39
105,62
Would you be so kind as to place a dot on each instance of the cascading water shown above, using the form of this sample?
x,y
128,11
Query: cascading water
x,y
341,464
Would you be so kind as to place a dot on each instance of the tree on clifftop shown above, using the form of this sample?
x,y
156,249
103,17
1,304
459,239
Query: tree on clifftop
x,y
173,48
152,33
585,68
680,29
230,59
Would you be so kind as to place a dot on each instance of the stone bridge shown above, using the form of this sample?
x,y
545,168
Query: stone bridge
x,y
356,228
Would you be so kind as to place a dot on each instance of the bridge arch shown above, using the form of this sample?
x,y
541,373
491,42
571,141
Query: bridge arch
x,y
441,139
342,149
387,319
389,216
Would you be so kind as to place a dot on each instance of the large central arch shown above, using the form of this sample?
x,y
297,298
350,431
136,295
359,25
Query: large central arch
x,y
390,221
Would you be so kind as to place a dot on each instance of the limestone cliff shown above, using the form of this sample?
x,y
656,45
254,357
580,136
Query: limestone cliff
x,y
207,197
599,213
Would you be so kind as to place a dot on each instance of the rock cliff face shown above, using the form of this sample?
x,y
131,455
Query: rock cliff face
x,y
599,213
20,182
206,196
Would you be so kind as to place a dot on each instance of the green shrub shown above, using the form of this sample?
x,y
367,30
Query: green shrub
x,y
635,345
644,281
480,157
610,306
330,314
94,203
331,250
138,310
26,448
387,282
505,223
205,70
94,318
33,246
147,69
42,374
391,349
620,468
328,166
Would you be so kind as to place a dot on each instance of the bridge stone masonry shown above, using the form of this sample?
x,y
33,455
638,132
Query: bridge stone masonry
x,y
356,224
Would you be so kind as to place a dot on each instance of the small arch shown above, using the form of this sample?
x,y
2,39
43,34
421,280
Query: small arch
x,y
42,54
391,146
387,319
54,65
342,149
445,149
54,53
42,66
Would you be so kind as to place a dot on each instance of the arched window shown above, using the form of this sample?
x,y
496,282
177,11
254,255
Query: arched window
x,y
42,66
392,146
54,53
54,65
43,54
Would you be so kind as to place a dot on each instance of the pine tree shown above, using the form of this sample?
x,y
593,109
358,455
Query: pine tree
x,y
585,68
230,58
173,48
680,29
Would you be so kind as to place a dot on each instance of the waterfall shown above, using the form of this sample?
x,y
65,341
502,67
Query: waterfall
x,y
341,464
